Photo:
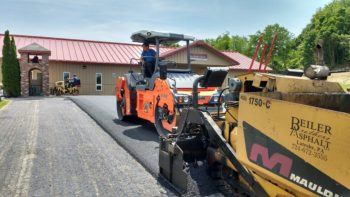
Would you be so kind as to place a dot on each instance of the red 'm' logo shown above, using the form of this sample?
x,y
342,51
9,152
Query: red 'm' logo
x,y
271,162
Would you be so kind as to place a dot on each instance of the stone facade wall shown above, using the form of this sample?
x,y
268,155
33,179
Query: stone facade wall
x,y
26,67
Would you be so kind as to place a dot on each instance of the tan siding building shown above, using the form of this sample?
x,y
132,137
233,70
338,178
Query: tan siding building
x,y
208,57
87,74
98,64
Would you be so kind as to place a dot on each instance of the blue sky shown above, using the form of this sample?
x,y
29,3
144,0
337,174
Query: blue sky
x,y
115,20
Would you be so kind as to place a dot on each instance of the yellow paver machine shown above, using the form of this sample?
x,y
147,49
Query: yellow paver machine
x,y
280,136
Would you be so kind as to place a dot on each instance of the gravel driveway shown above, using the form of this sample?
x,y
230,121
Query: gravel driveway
x,y
49,147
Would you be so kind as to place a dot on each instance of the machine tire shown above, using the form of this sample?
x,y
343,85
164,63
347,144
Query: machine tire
x,y
158,123
121,109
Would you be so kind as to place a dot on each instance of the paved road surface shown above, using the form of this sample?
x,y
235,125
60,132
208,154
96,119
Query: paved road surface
x,y
49,147
140,139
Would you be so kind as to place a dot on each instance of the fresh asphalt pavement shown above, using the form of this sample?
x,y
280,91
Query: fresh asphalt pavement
x,y
140,139
50,147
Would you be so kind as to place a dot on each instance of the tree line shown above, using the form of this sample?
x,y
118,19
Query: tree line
x,y
327,33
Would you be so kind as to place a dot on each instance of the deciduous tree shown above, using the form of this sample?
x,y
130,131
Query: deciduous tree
x,y
330,26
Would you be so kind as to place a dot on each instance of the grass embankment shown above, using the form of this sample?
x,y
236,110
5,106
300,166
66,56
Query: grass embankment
x,y
342,78
3,103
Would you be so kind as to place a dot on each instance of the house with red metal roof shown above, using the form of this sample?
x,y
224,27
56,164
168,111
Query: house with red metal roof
x,y
99,63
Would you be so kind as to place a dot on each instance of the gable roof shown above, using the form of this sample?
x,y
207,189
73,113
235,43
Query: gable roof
x,y
244,62
85,51
204,45
34,47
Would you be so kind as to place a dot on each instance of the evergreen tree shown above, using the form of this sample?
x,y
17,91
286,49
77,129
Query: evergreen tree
x,y
6,62
16,77
10,67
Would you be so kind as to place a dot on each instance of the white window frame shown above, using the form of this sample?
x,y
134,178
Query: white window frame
x,y
68,75
98,84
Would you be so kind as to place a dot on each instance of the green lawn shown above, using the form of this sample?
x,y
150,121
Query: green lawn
x,y
3,103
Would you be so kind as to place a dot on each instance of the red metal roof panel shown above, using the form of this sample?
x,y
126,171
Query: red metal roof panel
x,y
83,50
108,52
86,51
244,61
72,51
114,52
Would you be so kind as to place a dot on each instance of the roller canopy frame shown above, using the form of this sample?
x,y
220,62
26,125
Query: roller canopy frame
x,y
151,37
